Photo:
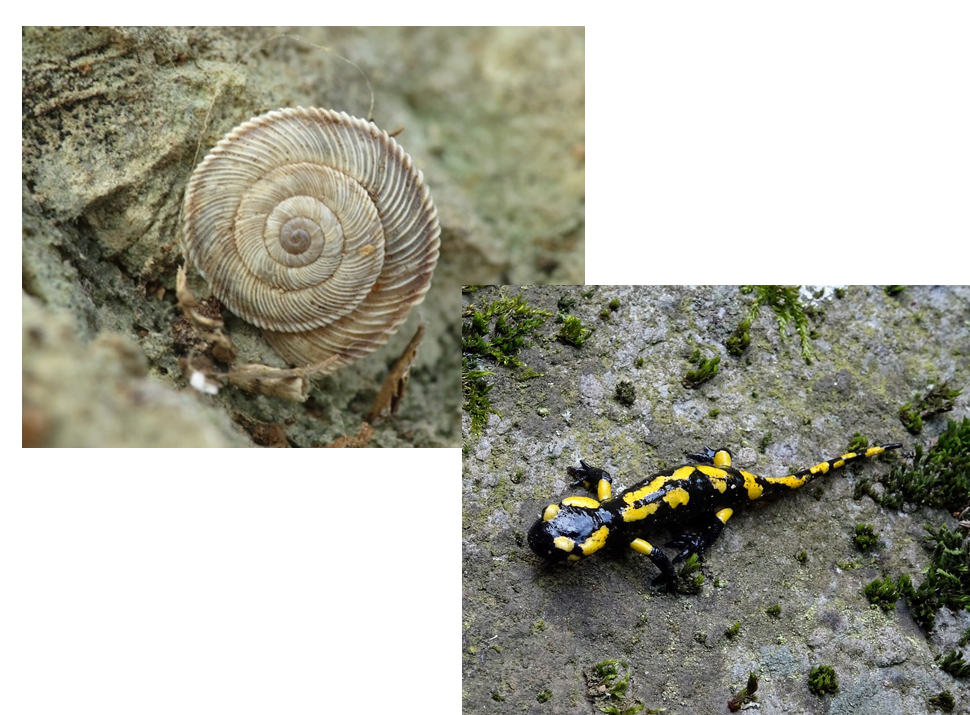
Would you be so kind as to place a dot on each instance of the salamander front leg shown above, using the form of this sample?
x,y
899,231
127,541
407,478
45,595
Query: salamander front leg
x,y
698,543
714,457
668,576
596,480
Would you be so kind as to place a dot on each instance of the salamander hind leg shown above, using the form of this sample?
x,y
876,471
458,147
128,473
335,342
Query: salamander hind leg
x,y
689,543
668,575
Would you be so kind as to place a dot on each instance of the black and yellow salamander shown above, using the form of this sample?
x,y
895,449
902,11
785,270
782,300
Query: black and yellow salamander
x,y
701,495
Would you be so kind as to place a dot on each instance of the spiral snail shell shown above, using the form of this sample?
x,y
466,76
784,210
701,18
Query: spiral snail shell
x,y
316,227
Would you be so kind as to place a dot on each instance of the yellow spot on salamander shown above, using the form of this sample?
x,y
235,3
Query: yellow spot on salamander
x,y
641,546
873,451
791,481
572,557
676,497
550,512
631,514
604,490
755,490
682,473
724,515
564,543
595,542
717,476
581,501
722,458
838,463
657,483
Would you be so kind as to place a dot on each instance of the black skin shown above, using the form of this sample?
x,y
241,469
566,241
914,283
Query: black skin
x,y
687,543
578,522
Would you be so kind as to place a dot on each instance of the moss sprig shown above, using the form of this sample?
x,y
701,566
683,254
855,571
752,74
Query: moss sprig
x,y
786,304
493,332
939,478
823,681
937,401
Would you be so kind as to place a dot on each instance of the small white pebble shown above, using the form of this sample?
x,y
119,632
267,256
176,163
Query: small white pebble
x,y
201,383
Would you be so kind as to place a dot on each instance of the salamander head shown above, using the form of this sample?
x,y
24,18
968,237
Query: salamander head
x,y
572,529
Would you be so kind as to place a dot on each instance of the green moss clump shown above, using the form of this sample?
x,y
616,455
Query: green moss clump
x,y
893,290
773,611
938,400
733,631
544,695
691,579
573,332
493,332
607,684
626,393
746,695
940,479
822,680
740,339
947,581
787,306
865,536
943,701
706,370
858,443
766,439
954,664
883,593
474,391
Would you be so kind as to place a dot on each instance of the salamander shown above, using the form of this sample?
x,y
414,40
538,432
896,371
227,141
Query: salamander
x,y
700,496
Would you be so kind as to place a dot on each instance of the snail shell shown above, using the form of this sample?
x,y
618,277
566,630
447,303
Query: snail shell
x,y
316,227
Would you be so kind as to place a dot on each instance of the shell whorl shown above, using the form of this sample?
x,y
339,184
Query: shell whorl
x,y
314,226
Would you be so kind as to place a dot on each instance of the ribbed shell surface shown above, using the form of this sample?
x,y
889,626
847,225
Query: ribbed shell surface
x,y
316,227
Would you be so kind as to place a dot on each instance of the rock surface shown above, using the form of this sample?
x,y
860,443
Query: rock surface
x,y
532,632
